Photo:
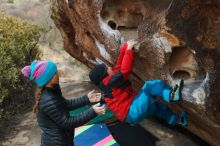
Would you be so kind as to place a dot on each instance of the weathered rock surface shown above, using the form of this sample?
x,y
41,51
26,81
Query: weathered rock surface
x,y
178,39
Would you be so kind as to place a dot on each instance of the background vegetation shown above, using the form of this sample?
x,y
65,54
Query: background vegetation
x,y
18,47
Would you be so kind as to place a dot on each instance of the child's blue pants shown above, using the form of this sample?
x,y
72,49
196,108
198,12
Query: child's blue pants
x,y
144,104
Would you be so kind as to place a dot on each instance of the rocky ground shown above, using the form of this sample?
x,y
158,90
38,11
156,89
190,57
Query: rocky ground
x,y
22,129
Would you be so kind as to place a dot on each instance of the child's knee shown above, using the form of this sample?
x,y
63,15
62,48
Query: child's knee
x,y
152,82
148,84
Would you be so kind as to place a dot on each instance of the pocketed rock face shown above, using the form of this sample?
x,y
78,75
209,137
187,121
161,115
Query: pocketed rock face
x,y
178,39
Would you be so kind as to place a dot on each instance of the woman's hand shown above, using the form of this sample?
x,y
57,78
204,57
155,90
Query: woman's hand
x,y
94,97
131,44
100,110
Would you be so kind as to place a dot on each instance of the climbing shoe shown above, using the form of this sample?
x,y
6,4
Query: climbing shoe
x,y
176,92
183,119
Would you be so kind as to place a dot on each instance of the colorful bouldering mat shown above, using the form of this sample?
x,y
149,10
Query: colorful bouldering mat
x,y
94,135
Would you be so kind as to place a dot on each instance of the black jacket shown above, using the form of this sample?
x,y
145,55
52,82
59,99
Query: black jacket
x,y
57,126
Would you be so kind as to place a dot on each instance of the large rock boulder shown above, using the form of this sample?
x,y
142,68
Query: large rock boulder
x,y
178,39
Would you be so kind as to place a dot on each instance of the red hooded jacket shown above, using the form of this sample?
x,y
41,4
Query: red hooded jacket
x,y
118,91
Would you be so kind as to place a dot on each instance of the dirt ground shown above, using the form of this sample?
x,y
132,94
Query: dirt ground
x,y
24,130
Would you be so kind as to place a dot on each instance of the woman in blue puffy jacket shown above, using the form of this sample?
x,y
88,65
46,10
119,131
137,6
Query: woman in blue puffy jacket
x,y
52,109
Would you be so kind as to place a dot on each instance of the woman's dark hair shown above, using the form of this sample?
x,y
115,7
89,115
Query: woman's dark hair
x,y
37,100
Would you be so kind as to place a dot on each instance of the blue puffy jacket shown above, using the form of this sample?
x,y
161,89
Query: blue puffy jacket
x,y
57,126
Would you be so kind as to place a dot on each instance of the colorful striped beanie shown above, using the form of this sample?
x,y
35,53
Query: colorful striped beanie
x,y
40,72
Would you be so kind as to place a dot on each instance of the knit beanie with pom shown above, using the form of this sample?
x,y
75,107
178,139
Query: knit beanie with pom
x,y
41,72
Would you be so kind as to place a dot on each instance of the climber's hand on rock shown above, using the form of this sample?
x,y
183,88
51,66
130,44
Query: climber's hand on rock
x,y
131,44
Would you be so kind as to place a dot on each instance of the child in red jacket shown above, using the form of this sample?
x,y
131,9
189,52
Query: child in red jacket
x,y
124,103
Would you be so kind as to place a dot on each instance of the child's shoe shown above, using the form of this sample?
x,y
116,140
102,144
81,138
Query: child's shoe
x,y
176,92
183,119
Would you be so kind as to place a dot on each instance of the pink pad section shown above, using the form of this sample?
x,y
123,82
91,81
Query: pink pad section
x,y
104,141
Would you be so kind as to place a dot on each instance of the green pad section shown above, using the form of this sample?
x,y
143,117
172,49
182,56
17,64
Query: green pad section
x,y
107,117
